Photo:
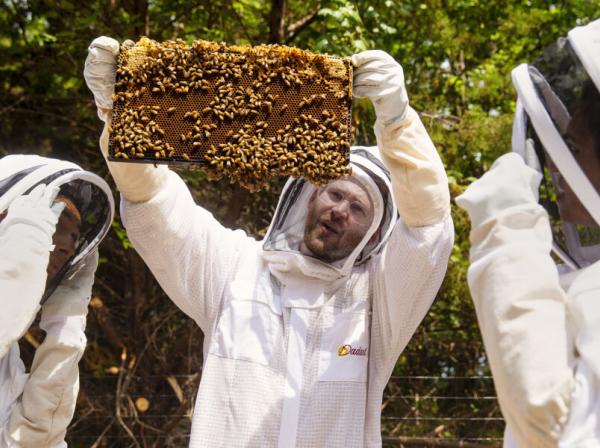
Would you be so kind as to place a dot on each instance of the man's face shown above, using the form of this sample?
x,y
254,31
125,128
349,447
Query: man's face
x,y
65,237
584,147
339,216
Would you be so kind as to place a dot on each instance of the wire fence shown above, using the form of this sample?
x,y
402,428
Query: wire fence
x,y
417,411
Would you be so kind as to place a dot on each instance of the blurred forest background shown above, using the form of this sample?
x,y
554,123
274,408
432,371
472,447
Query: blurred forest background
x,y
143,362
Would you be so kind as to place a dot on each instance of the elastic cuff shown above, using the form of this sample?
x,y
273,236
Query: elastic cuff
x,y
104,114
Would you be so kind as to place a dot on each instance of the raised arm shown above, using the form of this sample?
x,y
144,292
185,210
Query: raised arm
x,y
136,182
46,407
25,246
521,307
187,250
411,268
418,176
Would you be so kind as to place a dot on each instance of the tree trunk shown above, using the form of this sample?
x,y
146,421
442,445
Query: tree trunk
x,y
237,201
138,276
139,9
277,21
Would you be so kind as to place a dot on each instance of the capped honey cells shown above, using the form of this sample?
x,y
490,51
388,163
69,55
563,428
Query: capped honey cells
x,y
247,113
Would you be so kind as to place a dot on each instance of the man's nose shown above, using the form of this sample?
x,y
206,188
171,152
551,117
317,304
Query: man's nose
x,y
65,246
340,210
64,253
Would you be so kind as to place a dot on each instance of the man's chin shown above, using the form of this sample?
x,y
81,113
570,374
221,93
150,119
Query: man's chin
x,y
323,253
315,249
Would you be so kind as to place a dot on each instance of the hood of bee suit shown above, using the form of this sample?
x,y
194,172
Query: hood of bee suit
x,y
562,83
90,194
281,245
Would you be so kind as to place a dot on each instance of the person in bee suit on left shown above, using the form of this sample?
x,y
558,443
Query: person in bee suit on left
x,y
53,215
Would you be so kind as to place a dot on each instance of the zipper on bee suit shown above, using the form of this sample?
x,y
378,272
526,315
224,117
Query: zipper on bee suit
x,y
296,353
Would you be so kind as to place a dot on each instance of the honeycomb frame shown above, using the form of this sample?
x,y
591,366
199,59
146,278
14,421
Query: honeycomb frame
x,y
245,112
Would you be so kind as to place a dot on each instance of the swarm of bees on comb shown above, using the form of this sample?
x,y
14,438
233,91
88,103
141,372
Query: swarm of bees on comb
x,y
248,113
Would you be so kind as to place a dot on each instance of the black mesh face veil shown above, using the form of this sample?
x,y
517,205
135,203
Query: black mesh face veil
x,y
560,107
562,83
94,208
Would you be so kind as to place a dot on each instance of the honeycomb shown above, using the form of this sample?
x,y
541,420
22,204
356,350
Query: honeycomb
x,y
245,112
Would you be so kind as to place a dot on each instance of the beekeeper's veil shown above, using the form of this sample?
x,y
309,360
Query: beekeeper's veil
x,y
286,234
550,91
19,174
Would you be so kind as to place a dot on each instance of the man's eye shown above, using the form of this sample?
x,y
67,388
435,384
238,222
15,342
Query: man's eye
x,y
359,209
336,196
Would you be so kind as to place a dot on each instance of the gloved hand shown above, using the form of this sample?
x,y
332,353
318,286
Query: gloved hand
x,y
508,183
64,313
380,78
25,244
36,209
137,182
100,73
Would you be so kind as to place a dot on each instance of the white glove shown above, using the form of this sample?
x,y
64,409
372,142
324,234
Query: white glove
x,y
137,182
25,244
508,183
380,78
36,209
100,73
64,313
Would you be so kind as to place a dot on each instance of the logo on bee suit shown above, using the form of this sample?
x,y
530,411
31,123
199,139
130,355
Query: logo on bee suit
x,y
347,349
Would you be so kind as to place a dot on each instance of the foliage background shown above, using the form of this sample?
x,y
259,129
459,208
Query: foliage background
x,y
457,56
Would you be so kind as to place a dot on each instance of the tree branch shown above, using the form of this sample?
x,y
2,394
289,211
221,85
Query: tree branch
x,y
297,27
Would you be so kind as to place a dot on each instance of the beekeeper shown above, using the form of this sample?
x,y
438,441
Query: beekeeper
x,y
541,322
53,214
302,329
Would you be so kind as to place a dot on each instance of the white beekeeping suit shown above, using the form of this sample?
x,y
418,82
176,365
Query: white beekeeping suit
x,y
541,322
36,407
297,351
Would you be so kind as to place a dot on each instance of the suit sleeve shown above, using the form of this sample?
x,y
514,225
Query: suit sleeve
x,y
520,305
45,409
189,252
24,253
411,268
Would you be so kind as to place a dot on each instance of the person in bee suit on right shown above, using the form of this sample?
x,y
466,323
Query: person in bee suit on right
x,y
303,329
541,322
